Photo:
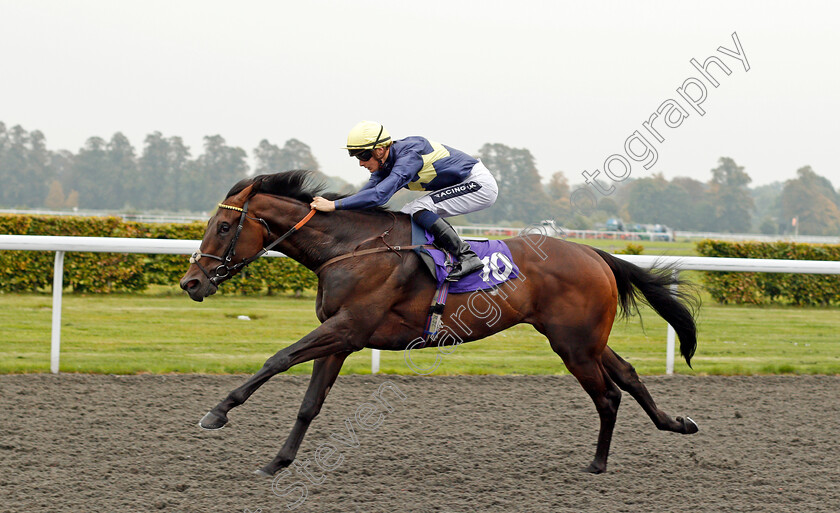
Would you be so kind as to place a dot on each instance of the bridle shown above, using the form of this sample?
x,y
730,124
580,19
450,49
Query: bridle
x,y
225,270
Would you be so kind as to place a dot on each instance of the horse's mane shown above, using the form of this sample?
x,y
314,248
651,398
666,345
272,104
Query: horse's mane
x,y
300,184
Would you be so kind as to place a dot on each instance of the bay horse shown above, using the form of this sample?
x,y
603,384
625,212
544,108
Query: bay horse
x,y
569,292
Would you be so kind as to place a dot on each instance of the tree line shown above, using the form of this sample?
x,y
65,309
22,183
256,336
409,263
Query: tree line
x,y
725,203
111,175
164,176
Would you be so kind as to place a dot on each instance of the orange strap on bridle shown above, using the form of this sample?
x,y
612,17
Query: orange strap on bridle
x,y
304,220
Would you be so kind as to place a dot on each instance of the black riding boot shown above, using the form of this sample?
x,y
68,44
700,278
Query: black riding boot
x,y
467,262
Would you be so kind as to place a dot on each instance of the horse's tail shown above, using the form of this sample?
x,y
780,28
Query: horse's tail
x,y
654,289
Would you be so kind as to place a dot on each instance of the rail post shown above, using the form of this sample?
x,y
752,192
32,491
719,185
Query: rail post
x,y
58,285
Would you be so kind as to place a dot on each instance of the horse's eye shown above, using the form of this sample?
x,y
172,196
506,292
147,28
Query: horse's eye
x,y
224,228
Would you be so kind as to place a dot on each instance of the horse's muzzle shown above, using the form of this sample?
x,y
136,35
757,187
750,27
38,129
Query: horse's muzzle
x,y
198,288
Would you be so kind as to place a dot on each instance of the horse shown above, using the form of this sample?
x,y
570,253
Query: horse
x,y
372,293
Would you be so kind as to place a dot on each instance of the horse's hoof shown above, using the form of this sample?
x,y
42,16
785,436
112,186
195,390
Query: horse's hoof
x,y
689,425
595,469
262,473
212,421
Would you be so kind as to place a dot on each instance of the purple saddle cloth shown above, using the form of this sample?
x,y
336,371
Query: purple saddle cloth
x,y
498,263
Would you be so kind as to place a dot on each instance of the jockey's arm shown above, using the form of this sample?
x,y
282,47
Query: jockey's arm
x,y
325,205
375,178
375,196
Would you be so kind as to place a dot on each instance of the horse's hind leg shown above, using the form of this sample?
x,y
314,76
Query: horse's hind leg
x,y
625,376
583,362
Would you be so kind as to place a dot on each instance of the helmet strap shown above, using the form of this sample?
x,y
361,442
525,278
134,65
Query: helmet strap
x,y
381,128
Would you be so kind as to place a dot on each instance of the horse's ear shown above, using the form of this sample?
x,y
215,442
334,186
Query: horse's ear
x,y
255,188
249,191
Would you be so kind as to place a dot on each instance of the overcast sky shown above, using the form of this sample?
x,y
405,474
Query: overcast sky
x,y
569,81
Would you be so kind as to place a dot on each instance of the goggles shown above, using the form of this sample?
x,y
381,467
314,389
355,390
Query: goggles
x,y
364,155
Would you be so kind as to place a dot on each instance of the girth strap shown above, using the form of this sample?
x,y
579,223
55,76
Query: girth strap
x,y
436,308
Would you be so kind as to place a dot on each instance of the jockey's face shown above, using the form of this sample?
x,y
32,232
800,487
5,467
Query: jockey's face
x,y
373,164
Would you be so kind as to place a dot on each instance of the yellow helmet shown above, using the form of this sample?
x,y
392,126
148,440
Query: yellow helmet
x,y
367,135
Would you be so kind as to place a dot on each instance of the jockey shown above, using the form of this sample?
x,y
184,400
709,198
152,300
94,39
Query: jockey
x,y
459,184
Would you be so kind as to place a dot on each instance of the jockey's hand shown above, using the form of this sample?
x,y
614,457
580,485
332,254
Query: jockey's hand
x,y
322,204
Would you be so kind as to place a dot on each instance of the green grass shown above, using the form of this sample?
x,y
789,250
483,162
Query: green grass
x,y
164,332
683,248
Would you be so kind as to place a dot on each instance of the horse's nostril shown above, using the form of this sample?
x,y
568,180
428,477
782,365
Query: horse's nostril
x,y
189,285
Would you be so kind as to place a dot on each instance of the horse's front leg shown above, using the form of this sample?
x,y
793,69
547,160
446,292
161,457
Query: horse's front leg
x,y
324,372
329,338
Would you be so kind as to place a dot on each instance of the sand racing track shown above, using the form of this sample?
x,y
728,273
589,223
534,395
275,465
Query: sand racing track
x,y
480,443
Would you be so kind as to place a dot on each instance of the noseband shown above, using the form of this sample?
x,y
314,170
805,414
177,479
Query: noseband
x,y
225,270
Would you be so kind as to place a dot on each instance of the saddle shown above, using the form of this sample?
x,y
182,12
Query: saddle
x,y
498,262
